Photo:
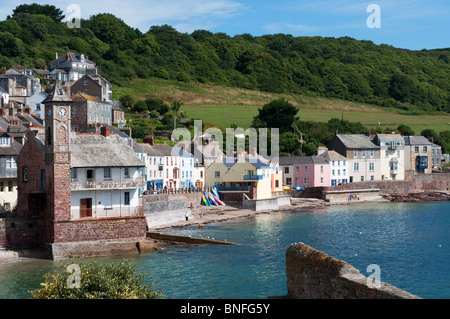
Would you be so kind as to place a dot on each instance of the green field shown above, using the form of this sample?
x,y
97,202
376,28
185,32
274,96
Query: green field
x,y
223,106
242,115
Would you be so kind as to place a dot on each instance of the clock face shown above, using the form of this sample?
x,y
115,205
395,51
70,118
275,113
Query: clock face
x,y
62,112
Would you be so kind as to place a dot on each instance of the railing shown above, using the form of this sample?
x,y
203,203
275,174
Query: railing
x,y
253,177
107,184
122,211
221,188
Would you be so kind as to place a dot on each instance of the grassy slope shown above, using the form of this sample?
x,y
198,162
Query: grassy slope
x,y
222,106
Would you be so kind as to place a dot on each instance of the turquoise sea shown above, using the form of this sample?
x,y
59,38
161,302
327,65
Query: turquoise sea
x,y
409,241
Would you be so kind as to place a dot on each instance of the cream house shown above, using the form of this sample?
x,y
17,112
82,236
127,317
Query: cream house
x,y
392,156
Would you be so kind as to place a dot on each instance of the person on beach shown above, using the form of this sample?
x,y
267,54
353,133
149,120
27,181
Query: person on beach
x,y
187,216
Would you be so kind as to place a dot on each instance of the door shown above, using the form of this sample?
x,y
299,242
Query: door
x,y
85,207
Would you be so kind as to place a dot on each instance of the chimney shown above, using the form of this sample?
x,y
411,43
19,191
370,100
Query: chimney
x,y
149,139
4,70
336,132
368,133
104,130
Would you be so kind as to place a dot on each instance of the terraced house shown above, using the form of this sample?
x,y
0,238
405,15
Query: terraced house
x,y
363,155
392,156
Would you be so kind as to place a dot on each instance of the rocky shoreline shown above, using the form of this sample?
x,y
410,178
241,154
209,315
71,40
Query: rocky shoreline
x,y
418,197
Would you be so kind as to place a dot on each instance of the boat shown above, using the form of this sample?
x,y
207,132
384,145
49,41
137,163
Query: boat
x,y
212,200
204,200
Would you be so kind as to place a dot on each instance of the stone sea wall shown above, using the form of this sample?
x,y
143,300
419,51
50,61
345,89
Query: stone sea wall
x,y
312,274
164,208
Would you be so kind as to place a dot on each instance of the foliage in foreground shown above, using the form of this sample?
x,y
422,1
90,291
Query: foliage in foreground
x,y
95,281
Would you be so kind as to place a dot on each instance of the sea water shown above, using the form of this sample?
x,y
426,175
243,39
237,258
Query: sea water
x,y
408,241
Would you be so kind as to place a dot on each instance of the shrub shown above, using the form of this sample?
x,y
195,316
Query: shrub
x,y
96,281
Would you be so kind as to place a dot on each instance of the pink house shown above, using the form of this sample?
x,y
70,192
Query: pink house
x,y
311,171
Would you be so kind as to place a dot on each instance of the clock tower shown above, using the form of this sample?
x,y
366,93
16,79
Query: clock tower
x,y
57,155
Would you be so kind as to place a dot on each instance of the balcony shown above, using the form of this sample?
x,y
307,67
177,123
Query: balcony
x,y
253,177
106,184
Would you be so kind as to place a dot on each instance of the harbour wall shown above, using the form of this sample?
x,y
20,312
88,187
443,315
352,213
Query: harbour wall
x,y
312,274
161,209
413,183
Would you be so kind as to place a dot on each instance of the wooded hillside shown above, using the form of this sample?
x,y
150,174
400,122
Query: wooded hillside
x,y
415,81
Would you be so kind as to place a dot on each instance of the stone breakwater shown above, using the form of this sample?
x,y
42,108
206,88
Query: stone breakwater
x,y
312,274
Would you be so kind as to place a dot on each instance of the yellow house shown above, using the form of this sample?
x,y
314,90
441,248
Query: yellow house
x,y
276,178
243,174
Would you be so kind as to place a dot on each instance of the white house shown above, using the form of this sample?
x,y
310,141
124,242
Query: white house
x,y
171,168
338,167
392,156
106,176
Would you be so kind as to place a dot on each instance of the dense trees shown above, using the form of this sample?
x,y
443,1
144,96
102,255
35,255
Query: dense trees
x,y
334,67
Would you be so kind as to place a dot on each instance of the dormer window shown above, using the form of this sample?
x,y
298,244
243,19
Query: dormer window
x,y
5,141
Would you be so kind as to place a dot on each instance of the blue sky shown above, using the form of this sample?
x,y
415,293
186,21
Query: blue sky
x,y
409,24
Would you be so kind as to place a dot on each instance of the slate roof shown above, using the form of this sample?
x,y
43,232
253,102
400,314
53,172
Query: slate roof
x,y
390,137
146,148
72,57
302,160
357,141
58,94
13,149
416,140
163,149
331,155
95,150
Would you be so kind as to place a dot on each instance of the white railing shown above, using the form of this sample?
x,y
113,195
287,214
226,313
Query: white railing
x,y
107,184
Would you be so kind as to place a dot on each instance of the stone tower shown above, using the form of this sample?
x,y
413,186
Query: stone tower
x,y
57,159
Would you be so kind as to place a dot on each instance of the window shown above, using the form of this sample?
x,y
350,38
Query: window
x,y
425,149
288,181
73,173
332,172
362,178
321,180
201,174
126,172
217,174
372,177
25,174
306,169
286,169
10,186
297,169
371,166
356,166
355,154
2,186
126,198
364,154
277,183
86,82
321,168
416,149
306,181
339,172
107,173
90,174
344,172
372,153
